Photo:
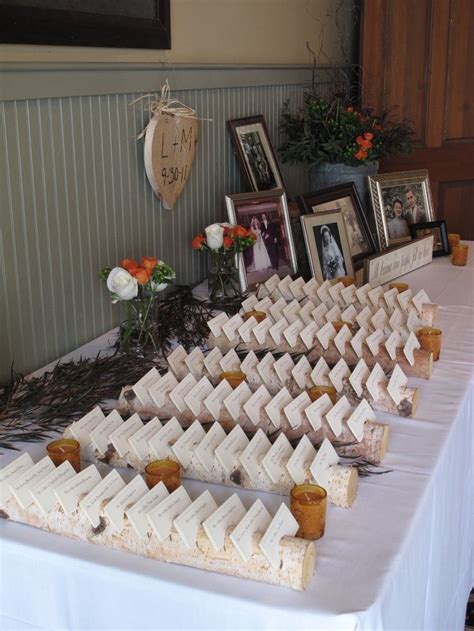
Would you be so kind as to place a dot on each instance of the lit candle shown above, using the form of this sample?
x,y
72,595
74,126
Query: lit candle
x,y
65,449
317,391
400,287
166,471
346,280
453,239
308,505
258,315
460,253
233,377
430,340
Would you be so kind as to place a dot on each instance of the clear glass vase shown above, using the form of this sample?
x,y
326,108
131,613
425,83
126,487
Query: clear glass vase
x,y
136,332
223,279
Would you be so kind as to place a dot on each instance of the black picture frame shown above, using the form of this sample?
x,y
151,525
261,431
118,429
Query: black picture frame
x,y
309,202
23,24
440,245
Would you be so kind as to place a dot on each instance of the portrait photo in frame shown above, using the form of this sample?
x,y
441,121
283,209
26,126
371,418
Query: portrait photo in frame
x,y
255,153
266,213
327,245
440,235
346,199
400,200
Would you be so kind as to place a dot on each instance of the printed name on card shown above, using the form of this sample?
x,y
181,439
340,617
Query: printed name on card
x,y
302,373
119,437
215,400
282,525
326,334
184,447
249,303
379,319
159,391
319,313
227,453
396,319
310,288
411,344
265,368
137,514
275,407
343,336
234,403
364,318
357,419
195,362
100,436
292,333
130,494
323,292
263,305
338,374
43,490
349,294
413,321
162,516
299,463
308,334
276,458
374,340
291,311
419,299
296,288
404,299
320,373
276,330
257,402
257,519
305,313
337,414
181,390
349,314
161,443
334,314
272,283
216,324
283,288
260,331
393,341
176,361
376,377
276,310
283,367
188,522
230,361
398,380
359,376
357,341
106,489
252,455
245,330
294,411
249,365
206,448
82,428
139,440
230,327
325,459
69,492
335,293
390,298
227,515
317,409
212,362
375,295
143,384
363,294
11,472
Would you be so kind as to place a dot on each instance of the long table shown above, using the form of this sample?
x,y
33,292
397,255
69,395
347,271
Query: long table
x,y
402,558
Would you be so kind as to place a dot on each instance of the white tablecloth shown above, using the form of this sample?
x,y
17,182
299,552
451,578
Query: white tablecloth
x,y
401,558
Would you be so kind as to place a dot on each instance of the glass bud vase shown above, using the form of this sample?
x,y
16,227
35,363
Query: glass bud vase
x,y
223,279
136,332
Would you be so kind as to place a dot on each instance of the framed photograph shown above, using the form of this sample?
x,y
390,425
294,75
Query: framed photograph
x,y
440,235
255,153
400,200
327,245
265,213
346,199
399,260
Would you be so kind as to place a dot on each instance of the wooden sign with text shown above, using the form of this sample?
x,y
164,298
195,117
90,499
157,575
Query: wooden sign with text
x,y
382,268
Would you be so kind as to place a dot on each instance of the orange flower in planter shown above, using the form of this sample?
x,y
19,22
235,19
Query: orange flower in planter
x,y
361,155
368,135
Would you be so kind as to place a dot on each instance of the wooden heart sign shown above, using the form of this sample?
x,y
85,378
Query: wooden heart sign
x,y
170,146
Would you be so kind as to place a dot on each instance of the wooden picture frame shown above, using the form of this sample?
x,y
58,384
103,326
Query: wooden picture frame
x,y
440,235
255,153
346,199
400,199
327,245
385,266
266,213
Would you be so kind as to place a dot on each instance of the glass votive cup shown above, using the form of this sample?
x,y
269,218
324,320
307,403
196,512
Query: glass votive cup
x,y
338,324
454,238
460,253
308,505
346,280
315,392
65,449
430,340
233,377
258,315
400,287
166,471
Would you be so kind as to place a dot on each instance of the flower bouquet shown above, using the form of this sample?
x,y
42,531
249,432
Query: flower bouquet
x,y
138,284
224,242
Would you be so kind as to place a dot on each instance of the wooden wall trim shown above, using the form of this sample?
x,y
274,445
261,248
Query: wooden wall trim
x,y
435,119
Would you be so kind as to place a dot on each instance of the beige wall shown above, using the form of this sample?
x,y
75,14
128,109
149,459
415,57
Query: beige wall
x,y
228,32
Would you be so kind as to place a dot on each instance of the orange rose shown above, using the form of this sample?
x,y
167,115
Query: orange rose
x,y
198,242
142,275
349,109
129,264
227,242
149,263
251,233
368,135
366,144
361,155
240,231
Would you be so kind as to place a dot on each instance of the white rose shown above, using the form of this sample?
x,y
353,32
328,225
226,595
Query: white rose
x,y
123,284
214,236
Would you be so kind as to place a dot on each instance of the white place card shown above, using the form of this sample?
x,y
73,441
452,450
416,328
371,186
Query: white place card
x,y
11,472
257,402
234,402
334,314
215,324
181,390
100,436
257,519
411,344
275,407
419,299
375,295
283,288
195,362
291,311
137,514
292,333
139,441
302,373
359,416
249,303
363,294
188,522
393,341
318,314
310,288
282,525
359,376
252,455
260,331
390,298
43,490
263,305
119,437
162,516
379,319
349,294
323,292
184,447
161,443
206,448
335,293
143,384
276,295
276,310
308,334
376,377
227,453
349,314
215,400
343,336
404,332
245,330
230,327
364,318
176,360
301,459
265,368
283,367
317,409
159,391
413,321
306,311
337,414
398,380
82,428
326,334
374,340
249,366
320,373
325,459
212,362
396,319
276,330
272,283
357,341
230,361
296,288
129,495
106,489
294,411
69,492
404,299
338,374
277,456
195,397
227,515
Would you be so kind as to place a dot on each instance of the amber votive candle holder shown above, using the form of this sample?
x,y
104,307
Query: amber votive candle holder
x,y
308,505
454,238
65,449
166,471
460,254
430,340
317,391
233,377
346,280
400,287
338,324
258,315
